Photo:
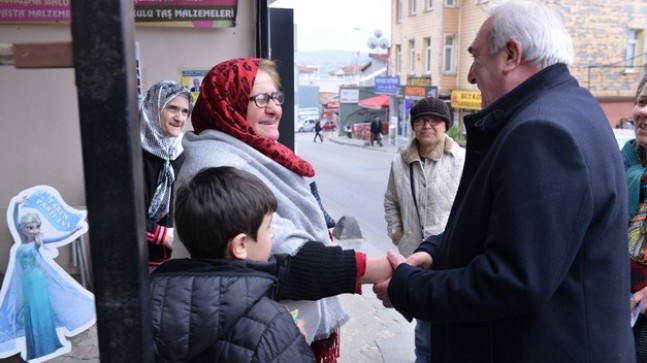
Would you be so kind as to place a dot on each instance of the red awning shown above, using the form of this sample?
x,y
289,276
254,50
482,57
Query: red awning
x,y
376,103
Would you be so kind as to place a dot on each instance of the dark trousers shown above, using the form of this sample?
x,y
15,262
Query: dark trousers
x,y
376,136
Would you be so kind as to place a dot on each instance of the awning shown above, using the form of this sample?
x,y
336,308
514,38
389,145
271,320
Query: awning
x,y
376,103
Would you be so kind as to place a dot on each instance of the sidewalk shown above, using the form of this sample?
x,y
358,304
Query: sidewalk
x,y
389,145
374,333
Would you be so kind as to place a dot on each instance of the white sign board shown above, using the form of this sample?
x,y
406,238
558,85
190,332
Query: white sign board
x,y
350,95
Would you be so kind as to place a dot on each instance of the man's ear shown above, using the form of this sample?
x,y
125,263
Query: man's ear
x,y
513,54
237,247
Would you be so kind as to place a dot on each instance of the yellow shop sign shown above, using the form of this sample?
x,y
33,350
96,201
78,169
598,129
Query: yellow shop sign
x,y
466,99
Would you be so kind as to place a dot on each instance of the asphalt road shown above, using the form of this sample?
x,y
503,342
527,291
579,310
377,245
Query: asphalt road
x,y
352,179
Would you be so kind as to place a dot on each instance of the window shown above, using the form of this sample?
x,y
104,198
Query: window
x,y
634,55
427,55
429,5
399,11
398,58
413,7
412,56
450,51
450,3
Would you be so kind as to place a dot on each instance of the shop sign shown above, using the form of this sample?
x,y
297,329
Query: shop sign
x,y
414,92
419,92
170,13
387,85
468,100
348,95
419,81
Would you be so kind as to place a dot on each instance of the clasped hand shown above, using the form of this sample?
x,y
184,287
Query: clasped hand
x,y
637,298
419,259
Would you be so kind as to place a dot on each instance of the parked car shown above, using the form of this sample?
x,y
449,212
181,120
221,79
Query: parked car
x,y
329,126
307,125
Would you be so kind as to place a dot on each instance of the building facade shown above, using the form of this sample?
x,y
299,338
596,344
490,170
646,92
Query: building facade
x,y
430,40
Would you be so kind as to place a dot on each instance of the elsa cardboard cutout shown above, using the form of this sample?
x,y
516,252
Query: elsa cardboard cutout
x,y
40,304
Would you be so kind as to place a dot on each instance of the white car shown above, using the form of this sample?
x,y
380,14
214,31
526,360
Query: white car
x,y
307,125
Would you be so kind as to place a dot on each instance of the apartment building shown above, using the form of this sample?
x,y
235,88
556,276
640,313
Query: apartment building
x,y
430,40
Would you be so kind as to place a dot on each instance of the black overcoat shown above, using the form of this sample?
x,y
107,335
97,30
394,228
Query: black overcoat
x,y
533,264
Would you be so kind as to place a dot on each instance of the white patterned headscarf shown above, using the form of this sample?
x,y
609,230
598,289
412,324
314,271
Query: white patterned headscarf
x,y
155,142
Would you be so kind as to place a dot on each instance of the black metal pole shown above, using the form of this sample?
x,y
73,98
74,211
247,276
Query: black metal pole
x,y
104,62
262,30
281,41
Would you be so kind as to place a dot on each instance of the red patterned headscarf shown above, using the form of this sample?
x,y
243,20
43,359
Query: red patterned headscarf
x,y
222,106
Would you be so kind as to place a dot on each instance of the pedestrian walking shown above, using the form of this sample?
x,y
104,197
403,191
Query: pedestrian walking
x,y
376,130
318,131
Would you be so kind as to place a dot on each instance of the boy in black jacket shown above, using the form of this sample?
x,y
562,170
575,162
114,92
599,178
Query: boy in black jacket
x,y
220,305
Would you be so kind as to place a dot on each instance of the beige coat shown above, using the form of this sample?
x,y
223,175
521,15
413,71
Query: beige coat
x,y
435,192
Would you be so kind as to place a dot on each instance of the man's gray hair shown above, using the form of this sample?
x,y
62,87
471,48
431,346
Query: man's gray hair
x,y
540,30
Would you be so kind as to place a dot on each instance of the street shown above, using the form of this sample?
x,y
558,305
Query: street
x,y
351,182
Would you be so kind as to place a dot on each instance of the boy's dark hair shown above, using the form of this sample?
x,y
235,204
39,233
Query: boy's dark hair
x,y
218,204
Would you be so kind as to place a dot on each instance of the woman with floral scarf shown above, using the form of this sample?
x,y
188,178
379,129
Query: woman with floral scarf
x,y
163,114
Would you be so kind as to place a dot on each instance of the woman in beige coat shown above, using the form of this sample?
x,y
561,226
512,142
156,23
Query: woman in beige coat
x,y
415,210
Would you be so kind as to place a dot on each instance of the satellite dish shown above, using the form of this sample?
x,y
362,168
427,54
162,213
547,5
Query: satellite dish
x,y
384,43
372,43
378,33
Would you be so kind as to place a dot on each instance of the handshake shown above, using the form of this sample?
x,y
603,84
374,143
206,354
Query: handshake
x,y
380,269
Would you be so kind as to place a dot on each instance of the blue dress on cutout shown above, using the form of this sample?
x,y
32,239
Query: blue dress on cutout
x,y
40,330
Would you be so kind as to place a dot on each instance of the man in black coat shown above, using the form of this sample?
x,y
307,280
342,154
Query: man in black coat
x,y
376,130
533,265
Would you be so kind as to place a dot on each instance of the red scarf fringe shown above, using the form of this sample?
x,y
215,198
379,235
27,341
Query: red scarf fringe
x,y
326,350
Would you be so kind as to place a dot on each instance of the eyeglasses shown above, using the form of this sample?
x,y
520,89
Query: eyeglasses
x,y
432,121
263,99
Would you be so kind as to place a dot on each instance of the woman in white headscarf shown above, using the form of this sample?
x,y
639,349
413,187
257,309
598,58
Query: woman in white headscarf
x,y
163,112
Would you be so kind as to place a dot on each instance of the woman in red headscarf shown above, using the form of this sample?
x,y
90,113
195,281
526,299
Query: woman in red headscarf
x,y
236,123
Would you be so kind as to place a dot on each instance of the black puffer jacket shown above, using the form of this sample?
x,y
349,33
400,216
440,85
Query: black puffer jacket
x,y
221,311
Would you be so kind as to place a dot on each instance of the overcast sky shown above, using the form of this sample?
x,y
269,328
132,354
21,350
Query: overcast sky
x,y
330,24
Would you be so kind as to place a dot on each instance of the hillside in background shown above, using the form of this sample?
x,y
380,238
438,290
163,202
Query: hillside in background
x,y
329,60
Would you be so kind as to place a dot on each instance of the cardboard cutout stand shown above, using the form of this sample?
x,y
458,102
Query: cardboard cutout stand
x,y
40,303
